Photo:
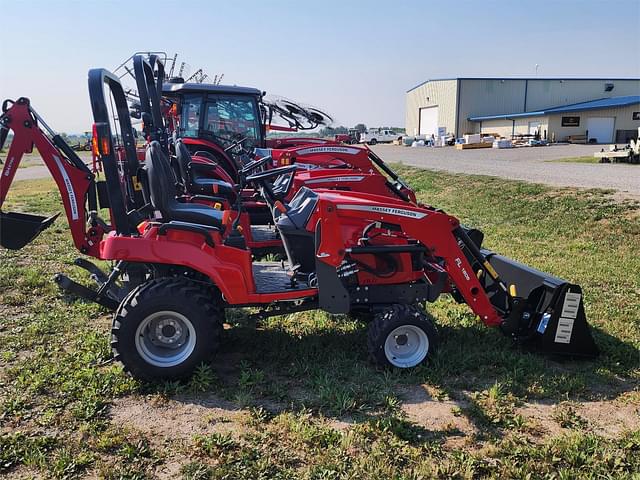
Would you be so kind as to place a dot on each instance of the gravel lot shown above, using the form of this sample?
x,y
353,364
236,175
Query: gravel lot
x,y
529,164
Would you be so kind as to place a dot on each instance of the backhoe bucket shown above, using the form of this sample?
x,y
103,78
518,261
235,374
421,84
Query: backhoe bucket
x,y
19,229
548,312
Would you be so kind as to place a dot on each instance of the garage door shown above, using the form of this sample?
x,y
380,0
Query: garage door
x,y
429,121
600,128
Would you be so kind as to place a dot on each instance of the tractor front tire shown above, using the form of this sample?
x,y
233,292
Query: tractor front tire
x,y
364,314
401,336
165,328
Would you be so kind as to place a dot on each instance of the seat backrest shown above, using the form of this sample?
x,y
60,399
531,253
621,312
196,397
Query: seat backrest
x,y
162,188
183,156
208,155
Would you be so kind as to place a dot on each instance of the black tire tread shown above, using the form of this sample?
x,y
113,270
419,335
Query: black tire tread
x,y
198,294
392,317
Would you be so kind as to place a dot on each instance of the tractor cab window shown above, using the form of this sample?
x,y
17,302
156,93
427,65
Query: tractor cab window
x,y
229,119
190,118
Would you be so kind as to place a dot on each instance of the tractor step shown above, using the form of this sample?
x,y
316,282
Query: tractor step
x,y
271,277
264,233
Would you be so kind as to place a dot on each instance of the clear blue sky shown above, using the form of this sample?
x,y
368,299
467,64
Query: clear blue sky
x,y
355,59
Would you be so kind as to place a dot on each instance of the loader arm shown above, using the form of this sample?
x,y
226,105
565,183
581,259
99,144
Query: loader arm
x,y
442,240
530,306
73,178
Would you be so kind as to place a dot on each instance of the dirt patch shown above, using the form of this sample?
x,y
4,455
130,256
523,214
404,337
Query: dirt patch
x,y
169,470
433,414
179,418
606,418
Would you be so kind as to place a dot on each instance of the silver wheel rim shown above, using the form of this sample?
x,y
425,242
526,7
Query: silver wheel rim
x,y
165,339
406,346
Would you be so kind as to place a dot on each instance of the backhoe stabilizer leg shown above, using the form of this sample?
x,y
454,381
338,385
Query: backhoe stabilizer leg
x,y
78,290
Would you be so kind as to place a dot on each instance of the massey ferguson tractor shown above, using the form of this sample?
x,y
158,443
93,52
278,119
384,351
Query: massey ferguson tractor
x,y
180,261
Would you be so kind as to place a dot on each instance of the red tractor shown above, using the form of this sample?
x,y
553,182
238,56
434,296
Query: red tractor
x,y
324,165
350,138
180,265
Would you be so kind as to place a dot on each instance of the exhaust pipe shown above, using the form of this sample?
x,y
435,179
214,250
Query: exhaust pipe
x,y
547,313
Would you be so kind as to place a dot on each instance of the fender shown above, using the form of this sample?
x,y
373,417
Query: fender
x,y
228,268
227,163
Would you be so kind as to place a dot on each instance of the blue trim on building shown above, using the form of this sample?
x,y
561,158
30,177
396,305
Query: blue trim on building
x,y
613,102
519,78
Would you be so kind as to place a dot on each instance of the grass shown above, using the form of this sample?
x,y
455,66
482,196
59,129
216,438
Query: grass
x,y
295,397
584,159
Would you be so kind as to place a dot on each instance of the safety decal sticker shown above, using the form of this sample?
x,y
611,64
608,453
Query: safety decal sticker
x,y
567,317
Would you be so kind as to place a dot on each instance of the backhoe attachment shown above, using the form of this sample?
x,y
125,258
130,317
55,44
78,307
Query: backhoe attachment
x,y
74,179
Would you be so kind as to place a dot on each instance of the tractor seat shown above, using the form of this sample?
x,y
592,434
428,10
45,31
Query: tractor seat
x,y
193,179
162,193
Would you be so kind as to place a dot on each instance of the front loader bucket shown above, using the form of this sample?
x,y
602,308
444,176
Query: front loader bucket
x,y
19,229
548,312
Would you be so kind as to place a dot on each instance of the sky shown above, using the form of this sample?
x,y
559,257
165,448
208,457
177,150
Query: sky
x,y
352,59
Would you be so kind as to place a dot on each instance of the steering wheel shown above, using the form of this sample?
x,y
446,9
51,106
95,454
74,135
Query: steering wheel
x,y
262,177
273,173
237,143
254,165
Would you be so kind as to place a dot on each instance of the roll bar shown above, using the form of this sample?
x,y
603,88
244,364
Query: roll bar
x,y
149,79
125,192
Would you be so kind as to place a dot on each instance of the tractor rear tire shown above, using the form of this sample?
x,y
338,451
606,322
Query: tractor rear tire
x,y
165,328
401,336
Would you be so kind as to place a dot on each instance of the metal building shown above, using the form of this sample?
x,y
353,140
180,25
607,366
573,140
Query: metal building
x,y
463,105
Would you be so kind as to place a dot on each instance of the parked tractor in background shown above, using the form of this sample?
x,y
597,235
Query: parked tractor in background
x,y
84,145
350,138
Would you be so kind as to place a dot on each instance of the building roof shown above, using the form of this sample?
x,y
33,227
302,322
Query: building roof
x,y
612,102
605,79
209,88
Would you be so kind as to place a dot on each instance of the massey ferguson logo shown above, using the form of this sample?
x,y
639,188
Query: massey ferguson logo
x,y
9,167
312,150
71,194
400,212
352,178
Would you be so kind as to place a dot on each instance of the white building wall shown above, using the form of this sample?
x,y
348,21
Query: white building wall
x,y
543,94
440,93
463,98
623,121
505,128
488,97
